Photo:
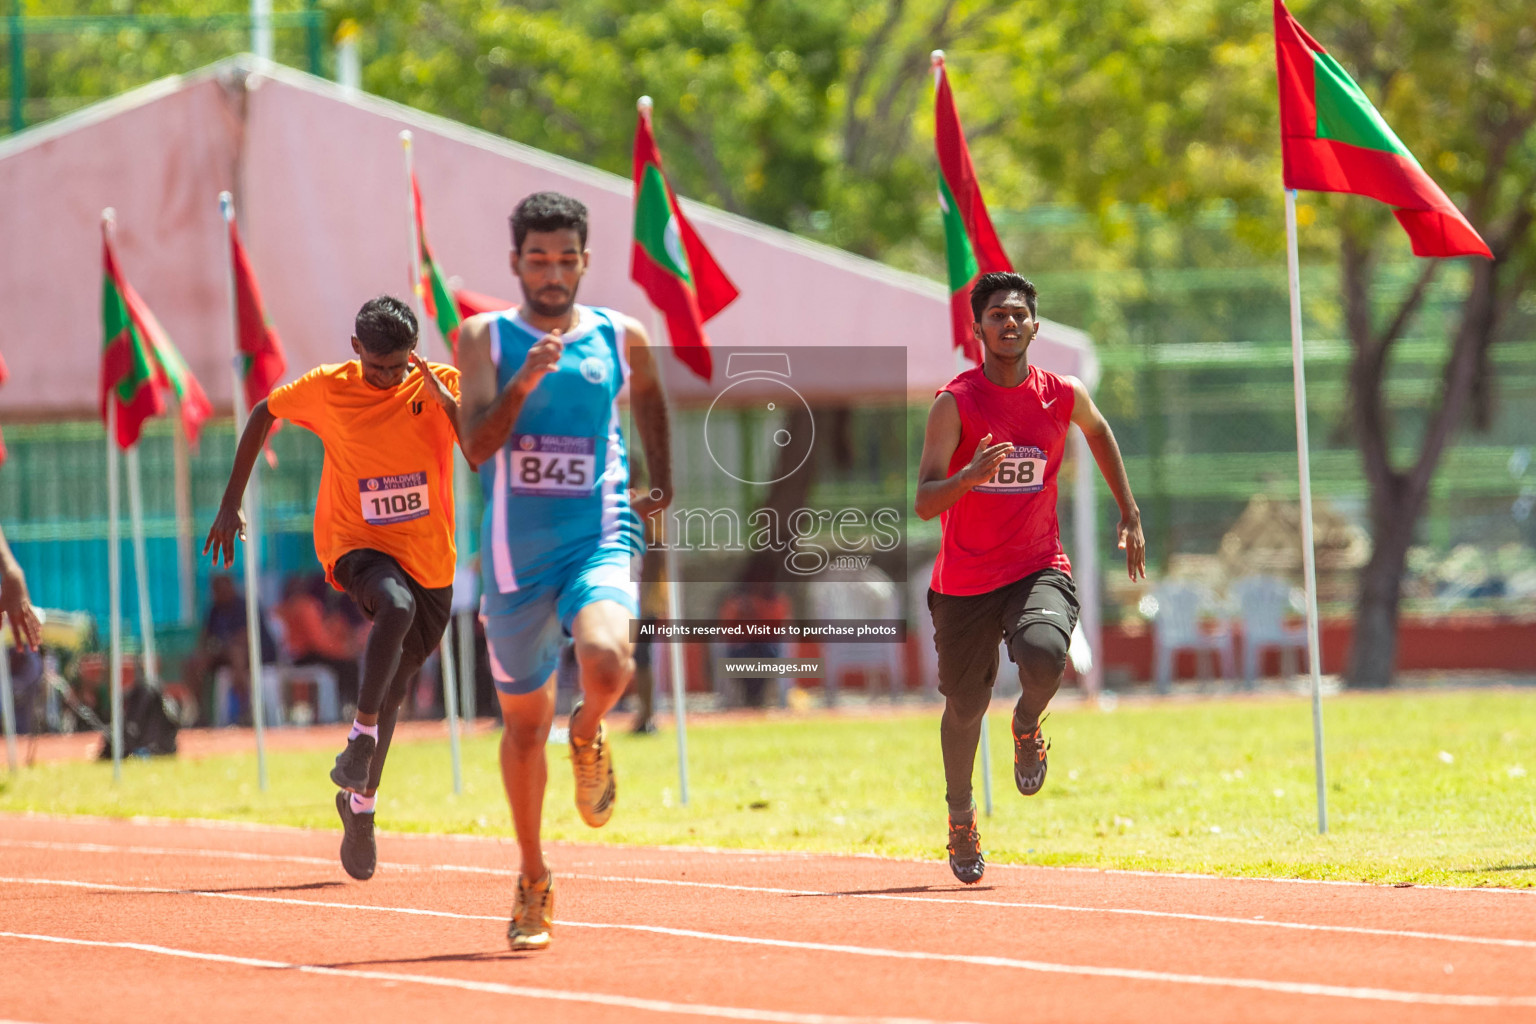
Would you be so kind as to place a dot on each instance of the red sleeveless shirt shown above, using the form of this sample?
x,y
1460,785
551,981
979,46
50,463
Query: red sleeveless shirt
x,y
1005,529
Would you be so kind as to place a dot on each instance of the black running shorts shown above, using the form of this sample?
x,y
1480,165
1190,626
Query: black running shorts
x,y
363,571
968,629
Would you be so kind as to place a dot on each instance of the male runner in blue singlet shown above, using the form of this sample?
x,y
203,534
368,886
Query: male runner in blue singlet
x,y
540,393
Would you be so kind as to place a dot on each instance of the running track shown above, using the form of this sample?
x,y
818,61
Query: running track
x,y
105,921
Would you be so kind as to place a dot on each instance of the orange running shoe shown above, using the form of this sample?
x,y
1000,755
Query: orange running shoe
x,y
1029,759
533,913
596,787
965,857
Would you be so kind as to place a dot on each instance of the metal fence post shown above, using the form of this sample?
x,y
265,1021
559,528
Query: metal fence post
x,y
18,68
312,45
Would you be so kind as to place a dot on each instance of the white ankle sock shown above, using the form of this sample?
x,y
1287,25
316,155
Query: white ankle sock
x,y
364,804
359,729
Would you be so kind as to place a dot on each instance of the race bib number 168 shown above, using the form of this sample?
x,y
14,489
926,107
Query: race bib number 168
x,y
1022,472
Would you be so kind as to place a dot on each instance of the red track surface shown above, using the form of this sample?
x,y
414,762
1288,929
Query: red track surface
x,y
130,921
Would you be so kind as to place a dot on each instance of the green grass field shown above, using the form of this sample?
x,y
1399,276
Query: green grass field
x,y
1423,787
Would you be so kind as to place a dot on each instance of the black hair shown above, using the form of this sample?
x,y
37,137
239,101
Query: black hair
x,y
988,285
385,325
548,211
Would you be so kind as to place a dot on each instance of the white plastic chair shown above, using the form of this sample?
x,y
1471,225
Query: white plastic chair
x,y
277,682
1176,627
1262,602
864,596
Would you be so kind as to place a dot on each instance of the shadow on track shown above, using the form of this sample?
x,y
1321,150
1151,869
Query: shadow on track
x,y
906,890
484,956
243,889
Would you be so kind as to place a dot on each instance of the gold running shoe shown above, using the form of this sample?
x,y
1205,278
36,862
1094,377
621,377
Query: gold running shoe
x,y
596,788
533,913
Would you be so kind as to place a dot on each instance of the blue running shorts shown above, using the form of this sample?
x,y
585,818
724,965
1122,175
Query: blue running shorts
x,y
524,629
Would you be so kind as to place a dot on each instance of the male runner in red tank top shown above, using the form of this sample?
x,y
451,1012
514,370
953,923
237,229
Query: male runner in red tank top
x,y
995,438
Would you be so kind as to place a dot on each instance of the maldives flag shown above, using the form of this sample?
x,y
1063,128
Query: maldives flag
x,y
127,367
1333,140
262,362
436,299
669,260
138,361
471,303
971,247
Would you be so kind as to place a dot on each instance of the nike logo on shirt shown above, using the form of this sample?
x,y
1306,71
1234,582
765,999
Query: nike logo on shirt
x,y
1047,405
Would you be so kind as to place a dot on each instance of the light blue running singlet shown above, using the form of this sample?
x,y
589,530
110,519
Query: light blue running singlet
x,y
557,491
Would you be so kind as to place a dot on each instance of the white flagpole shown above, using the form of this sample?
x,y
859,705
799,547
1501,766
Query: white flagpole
x,y
141,571
114,568
674,597
466,638
1308,556
445,654
115,599
674,586
251,505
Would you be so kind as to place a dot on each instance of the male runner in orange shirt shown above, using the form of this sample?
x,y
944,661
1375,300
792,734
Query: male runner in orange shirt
x,y
383,525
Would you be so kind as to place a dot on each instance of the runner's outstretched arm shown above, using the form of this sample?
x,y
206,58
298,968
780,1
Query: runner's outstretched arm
x,y
229,523
15,604
1106,452
488,413
649,402
936,489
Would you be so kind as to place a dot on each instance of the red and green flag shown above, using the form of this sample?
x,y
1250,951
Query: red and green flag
x,y
971,247
669,260
262,362
139,363
436,299
1333,140
127,365
472,303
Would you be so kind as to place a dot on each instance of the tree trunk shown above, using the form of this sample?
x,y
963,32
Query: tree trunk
x,y
1398,497
1373,655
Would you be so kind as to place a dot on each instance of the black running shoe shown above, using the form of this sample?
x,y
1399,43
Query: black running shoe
x,y
359,852
965,857
1029,759
352,764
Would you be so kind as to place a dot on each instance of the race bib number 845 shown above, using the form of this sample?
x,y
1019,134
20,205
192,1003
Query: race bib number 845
x,y
1022,472
387,500
553,465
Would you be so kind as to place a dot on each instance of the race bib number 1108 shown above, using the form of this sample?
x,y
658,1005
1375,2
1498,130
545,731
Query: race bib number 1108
x,y
387,500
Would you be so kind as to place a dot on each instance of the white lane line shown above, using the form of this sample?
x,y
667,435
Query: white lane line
x,y
1476,940
1070,909
490,987
152,821
1086,970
